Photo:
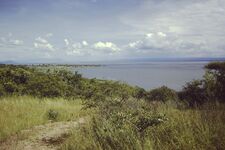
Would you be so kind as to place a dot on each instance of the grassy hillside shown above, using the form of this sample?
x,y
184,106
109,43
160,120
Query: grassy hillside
x,y
122,116
158,126
22,112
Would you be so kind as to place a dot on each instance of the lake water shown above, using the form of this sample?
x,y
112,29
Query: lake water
x,y
148,75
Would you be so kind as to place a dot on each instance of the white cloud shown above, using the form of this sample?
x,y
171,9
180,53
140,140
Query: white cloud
x,y
41,40
46,46
76,49
66,42
85,43
10,41
83,48
42,43
49,35
188,27
171,44
161,34
106,46
17,42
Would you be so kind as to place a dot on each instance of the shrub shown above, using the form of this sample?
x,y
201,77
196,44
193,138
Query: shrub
x,y
2,90
193,93
140,93
217,70
10,87
162,94
52,115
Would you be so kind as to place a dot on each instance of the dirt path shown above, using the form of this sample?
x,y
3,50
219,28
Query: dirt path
x,y
43,137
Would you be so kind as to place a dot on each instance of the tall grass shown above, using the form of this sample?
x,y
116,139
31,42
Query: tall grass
x,y
17,113
187,129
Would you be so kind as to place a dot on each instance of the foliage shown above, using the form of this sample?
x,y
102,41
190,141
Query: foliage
x,y
162,94
194,93
135,128
210,88
52,115
123,117
22,80
140,93
217,70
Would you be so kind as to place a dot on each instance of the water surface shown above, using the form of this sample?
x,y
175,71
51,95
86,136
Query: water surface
x,y
148,75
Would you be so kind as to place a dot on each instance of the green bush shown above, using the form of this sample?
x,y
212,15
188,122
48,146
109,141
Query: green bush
x,y
10,87
217,70
140,93
193,93
210,88
2,90
52,115
162,94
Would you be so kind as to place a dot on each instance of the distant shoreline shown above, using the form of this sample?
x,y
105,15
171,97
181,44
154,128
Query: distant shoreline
x,y
106,62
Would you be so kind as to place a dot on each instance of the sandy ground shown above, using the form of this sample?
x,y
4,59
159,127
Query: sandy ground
x,y
43,137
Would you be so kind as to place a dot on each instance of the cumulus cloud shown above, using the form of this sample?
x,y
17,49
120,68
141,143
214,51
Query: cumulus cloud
x,y
67,42
10,41
85,43
106,46
83,48
17,42
188,27
49,35
76,48
42,43
162,43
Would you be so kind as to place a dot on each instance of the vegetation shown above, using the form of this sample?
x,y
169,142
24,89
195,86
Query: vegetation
x,y
153,127
210,89
148,121
122,116
22,80
162,94
23,112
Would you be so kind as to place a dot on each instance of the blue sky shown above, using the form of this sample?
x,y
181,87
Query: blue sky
x,y
90,30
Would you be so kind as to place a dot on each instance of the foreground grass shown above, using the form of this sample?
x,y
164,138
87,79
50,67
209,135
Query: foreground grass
x,y
195,129
18,113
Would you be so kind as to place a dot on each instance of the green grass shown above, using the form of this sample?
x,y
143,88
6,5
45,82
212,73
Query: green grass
x,y
195,129
18,113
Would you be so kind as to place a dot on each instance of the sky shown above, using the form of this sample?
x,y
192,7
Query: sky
x,y
99,30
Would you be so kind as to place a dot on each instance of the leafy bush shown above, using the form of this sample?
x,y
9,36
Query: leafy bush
x,y
52,115
140,93
2,90
217,70
193,93
162,94
10,87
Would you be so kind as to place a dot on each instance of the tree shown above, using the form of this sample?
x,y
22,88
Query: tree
x,y
217,70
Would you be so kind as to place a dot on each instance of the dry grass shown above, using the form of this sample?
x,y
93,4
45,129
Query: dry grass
x,y
195,129
18,113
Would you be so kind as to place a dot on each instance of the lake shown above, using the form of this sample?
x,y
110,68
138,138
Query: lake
x,y
148,75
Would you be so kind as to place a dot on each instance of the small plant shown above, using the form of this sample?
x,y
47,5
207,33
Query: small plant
x,y
53,115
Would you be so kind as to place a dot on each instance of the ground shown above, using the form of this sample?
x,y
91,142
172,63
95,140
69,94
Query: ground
x,y
43,137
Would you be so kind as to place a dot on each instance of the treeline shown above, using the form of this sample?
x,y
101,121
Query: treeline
x,y
23,80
